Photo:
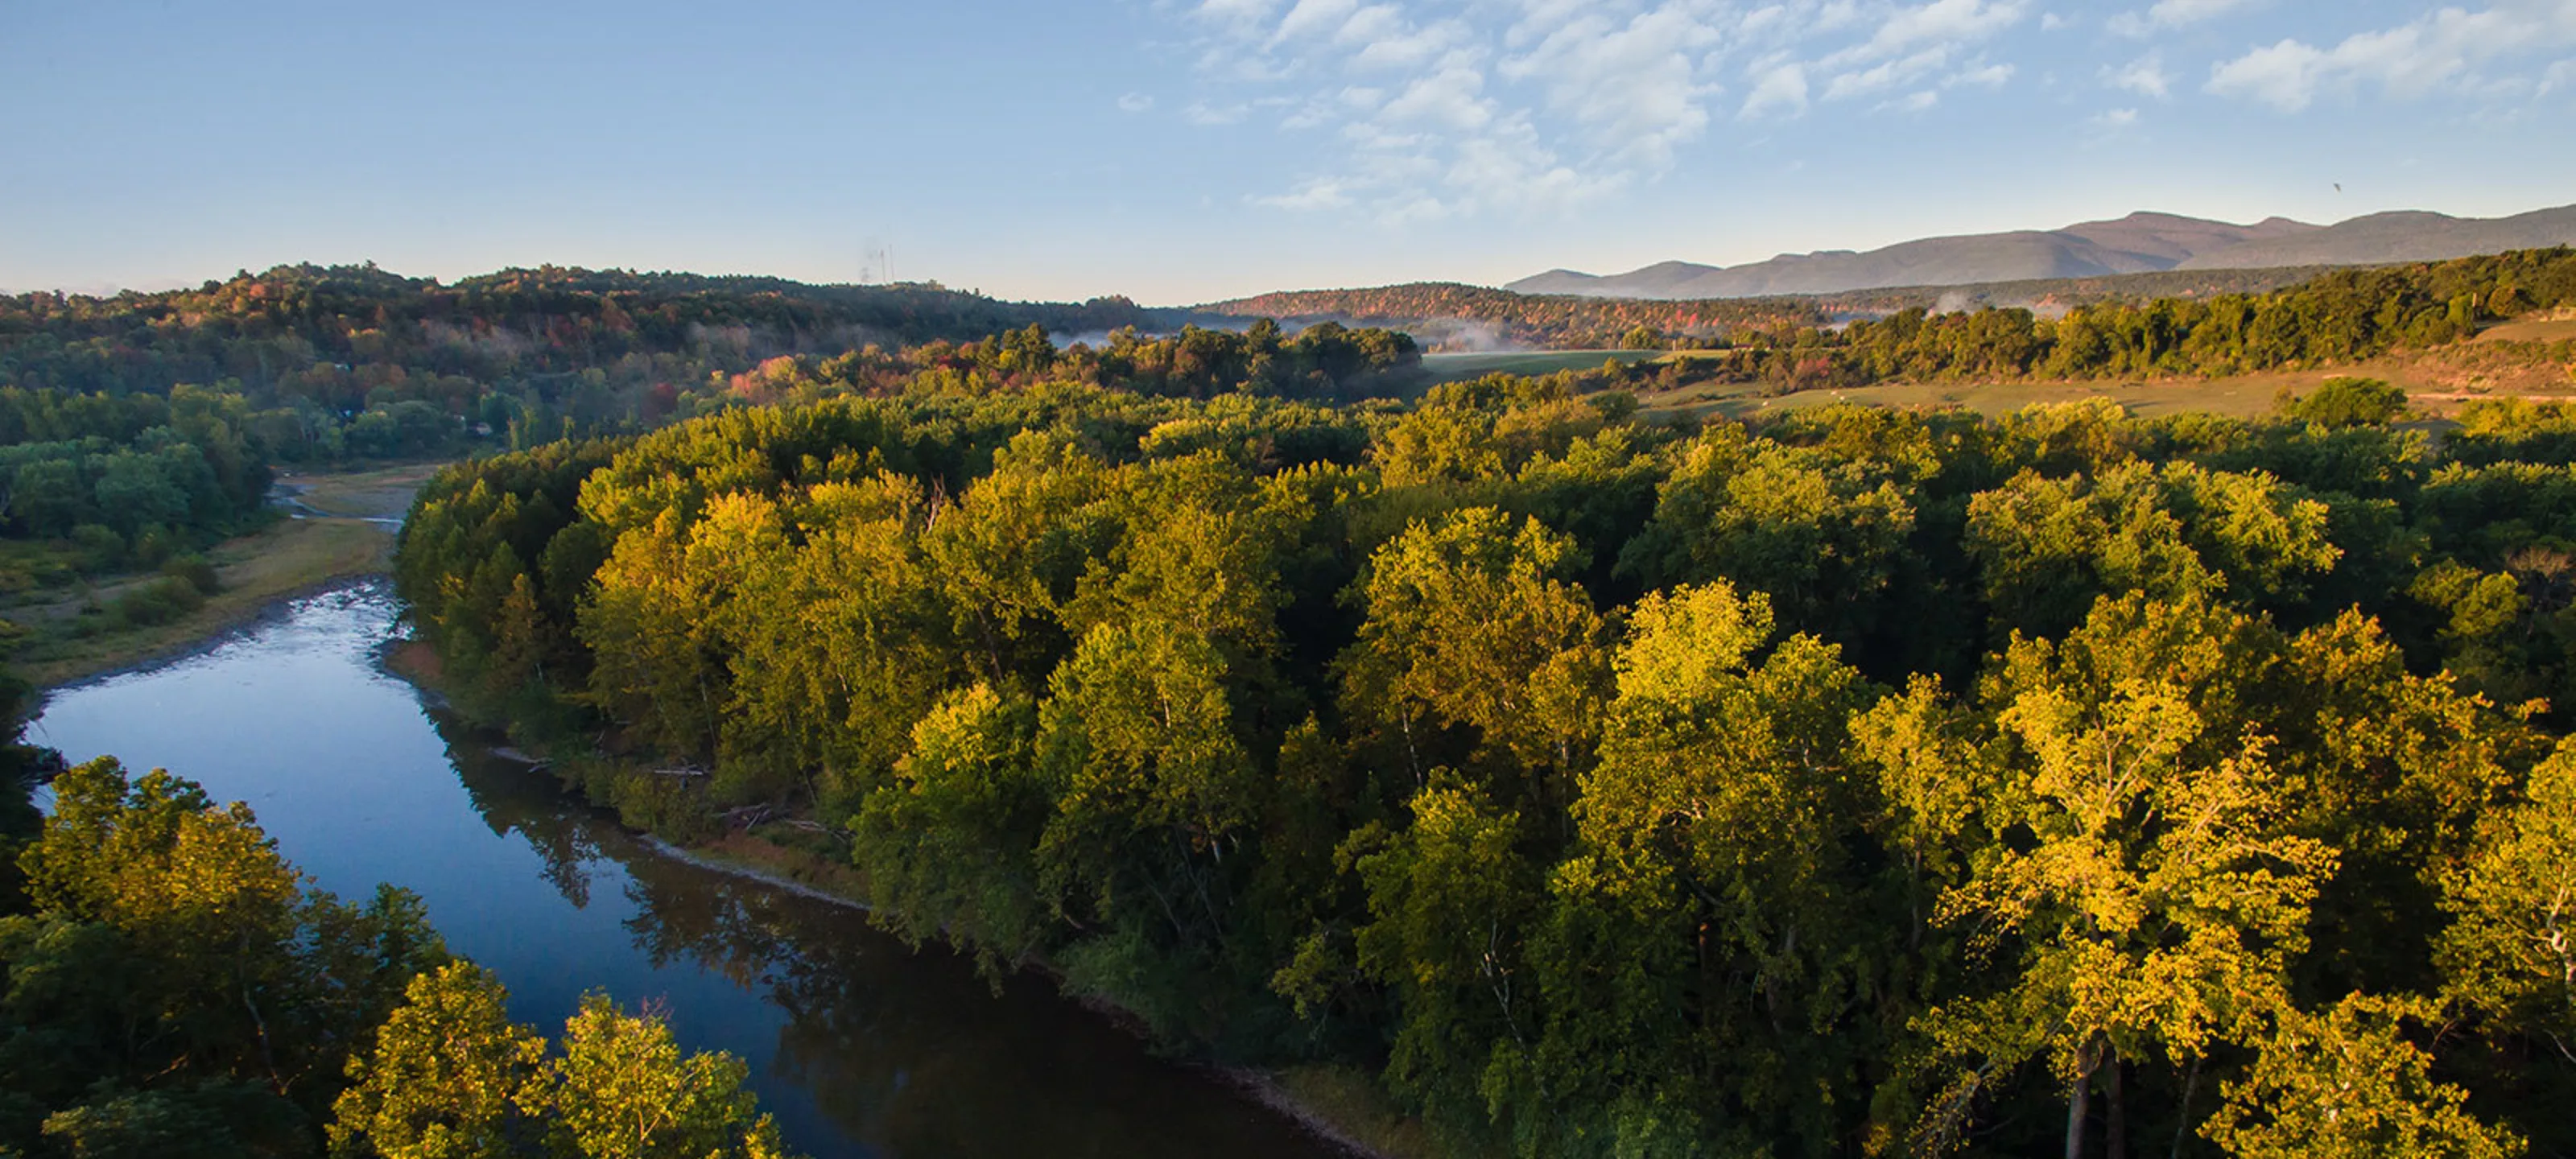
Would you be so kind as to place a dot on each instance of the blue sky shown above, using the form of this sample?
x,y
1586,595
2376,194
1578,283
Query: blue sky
x,y
1184,150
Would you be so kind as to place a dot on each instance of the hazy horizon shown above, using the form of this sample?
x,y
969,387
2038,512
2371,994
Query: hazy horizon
x,y
1186,152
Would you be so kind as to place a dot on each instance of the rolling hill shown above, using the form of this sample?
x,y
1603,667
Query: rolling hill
x,y
2138,243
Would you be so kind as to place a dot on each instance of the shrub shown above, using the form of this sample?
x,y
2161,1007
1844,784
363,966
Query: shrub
x,y
2348,402
195,571
158,602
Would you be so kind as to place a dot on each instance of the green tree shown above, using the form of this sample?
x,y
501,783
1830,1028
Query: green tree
x,y
446,1078
1711,947
176,980
2510,952
1823,536
1137,745
948,848
622,1090
2161,892
2345,1084
1450,902
1468,625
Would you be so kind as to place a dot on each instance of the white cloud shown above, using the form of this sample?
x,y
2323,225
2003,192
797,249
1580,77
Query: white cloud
x,y
2175,14
1314,17
1448,108
1135,103
1912,43
1238,16
1635,88
2115,118
2284,76
1992,76
2559,76
1318,194
1941,24
2446,49
1409,48
2144,76
1451,98
1780,89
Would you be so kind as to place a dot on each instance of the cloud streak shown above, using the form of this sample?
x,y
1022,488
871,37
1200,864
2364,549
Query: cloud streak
x,y
1447,108
2449,49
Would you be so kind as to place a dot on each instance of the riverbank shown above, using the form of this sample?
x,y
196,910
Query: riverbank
x,y
341,529
1341,1105
1337,1104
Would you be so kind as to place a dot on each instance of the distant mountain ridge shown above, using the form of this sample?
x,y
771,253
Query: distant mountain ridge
x,y
2138,243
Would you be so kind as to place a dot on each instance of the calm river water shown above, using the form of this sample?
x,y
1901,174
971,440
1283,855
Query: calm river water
x,y
859,1046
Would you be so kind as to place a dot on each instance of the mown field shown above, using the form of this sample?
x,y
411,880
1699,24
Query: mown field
x,y
1458,367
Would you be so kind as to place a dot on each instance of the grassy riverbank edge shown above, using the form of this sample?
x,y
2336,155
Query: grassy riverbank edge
x,y
346,536
1339,1104
269,569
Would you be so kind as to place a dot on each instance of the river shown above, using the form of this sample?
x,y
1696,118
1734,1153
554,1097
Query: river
x,y
859,1045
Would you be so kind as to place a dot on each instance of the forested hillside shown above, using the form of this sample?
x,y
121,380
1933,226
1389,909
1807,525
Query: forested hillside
x,y
355,361
1862,783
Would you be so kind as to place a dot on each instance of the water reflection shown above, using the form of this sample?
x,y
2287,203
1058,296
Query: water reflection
x,y
861,1046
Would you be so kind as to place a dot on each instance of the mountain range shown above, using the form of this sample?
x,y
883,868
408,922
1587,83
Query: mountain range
x,y
2138,243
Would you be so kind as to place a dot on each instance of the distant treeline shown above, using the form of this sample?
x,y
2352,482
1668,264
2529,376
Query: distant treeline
x,y
346,361
1325,361
1552,321
2337,317
2050,295
1867,783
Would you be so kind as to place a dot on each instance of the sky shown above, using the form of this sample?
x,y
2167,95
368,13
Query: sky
x,y
1181,151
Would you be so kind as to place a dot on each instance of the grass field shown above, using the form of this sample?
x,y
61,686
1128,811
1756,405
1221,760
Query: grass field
x,y
2530,330
348,533
2435,381
384,493
1460,367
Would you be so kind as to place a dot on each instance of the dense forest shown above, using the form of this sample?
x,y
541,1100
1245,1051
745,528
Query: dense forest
x,y
1863,783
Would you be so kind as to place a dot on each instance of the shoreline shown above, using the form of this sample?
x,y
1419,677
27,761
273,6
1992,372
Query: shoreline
x,y
224,630
346,538
398,657
1263,1086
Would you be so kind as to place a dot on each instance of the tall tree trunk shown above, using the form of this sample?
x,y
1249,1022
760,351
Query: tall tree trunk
x,y
2115,1124
2078,1100
2190,1085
